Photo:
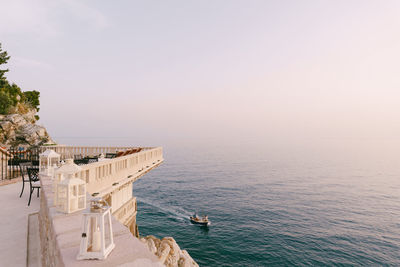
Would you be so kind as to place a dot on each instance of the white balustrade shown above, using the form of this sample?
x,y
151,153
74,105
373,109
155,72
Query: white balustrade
x,y
105,174
86,151
112,179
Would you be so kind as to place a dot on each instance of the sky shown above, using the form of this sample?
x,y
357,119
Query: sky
x,y
228,71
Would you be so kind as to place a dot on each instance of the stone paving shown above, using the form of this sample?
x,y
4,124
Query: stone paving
x,y
14,223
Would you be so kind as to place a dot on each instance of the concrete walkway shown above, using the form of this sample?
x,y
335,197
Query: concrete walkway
x,y
14,223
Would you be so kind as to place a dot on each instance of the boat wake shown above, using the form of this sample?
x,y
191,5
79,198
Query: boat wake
x,y
172,212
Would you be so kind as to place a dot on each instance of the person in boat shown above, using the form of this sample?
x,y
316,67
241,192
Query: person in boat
x,y
205,218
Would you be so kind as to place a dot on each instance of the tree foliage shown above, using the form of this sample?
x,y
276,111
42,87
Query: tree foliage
x,y
12,98
3,60
5,103
32,97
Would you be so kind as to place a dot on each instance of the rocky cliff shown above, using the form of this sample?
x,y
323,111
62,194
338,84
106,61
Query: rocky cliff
x,y
21,129
168,252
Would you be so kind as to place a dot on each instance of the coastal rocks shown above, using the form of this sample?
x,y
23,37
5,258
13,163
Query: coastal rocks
x,y
168,252
6,126
21,129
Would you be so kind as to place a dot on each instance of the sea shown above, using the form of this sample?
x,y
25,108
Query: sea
x,y
325,203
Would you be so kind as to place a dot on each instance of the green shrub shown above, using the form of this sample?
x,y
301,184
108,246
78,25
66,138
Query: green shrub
x,y
5,102
12,99
32,98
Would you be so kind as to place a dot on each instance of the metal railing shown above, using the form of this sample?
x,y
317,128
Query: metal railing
x,y
10,159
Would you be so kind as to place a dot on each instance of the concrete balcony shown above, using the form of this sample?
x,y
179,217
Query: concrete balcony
x,y
104,176
110,179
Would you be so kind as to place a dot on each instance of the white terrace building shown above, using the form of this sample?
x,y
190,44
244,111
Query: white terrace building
x,y
112,178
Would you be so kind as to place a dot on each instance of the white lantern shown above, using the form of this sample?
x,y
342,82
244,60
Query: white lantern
x,y
46,160
58,177
66,170
70,192
97,236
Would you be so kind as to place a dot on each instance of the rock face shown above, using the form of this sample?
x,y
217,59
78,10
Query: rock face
x,y
21,128
168,252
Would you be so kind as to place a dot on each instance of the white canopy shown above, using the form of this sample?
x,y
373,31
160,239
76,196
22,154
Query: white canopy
x,y
50,154
69,168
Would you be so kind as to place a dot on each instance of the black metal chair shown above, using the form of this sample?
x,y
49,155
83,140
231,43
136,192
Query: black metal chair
x,y
78,157
79,161
24,174
34,182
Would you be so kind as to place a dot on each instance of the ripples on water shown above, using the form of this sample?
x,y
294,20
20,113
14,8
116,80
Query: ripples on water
x,y
268,211
339,207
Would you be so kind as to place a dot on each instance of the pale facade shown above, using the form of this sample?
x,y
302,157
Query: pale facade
x,y
112,179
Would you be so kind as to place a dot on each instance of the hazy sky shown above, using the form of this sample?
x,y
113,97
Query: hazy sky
x,y
226,70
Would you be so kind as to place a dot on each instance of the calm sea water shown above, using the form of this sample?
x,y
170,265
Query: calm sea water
x,y
333,205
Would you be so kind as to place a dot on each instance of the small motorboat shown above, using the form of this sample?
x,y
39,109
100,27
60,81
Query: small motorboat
x,y
202,221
